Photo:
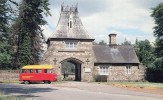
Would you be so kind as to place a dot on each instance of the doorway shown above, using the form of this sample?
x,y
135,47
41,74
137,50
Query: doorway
x,y
71,69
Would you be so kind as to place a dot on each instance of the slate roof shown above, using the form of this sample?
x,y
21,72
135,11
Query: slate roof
x,y
69,15
120,54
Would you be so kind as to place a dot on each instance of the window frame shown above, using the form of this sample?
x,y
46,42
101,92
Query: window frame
x,y
128,70
104,70
71,44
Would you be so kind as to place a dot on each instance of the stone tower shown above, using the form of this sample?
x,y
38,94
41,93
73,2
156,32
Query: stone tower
x,y
71,43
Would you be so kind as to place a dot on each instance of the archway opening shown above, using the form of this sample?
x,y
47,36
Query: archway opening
x,y
71,70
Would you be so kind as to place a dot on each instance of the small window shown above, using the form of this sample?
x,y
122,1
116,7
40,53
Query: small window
x,y
49,71
25,71
70,24
128,69
104,70
33,71
71,45
39,71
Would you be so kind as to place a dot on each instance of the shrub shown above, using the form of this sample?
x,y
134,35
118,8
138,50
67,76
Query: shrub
x,y
100,78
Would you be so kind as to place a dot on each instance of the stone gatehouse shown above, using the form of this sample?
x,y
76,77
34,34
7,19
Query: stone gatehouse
x,y
72,43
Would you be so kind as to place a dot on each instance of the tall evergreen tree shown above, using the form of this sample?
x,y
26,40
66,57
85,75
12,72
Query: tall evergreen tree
x,y
157,14
29,32
158,29
5,47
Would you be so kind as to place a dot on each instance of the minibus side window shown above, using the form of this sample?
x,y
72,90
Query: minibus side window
x,y
49,71
33,70
39,70
22,71
26,71
30,71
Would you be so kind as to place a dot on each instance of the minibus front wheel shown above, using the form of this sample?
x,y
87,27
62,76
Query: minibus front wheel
x,y
26,82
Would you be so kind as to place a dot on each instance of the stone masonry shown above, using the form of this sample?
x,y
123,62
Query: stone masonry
x,y
118,73
58,51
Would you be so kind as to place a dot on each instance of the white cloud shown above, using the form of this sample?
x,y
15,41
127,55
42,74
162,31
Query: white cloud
x,y
100,17
46,31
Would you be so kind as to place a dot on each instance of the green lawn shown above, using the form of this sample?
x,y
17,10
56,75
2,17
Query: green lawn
x,y
138,84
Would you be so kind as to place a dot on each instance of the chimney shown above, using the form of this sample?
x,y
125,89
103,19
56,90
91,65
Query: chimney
x,y
112,39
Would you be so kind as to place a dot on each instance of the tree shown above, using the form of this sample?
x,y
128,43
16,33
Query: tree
x,y
28,30
136,47
68,67
144,51
154,72
157,14
126,42
102,42
5,46
94,43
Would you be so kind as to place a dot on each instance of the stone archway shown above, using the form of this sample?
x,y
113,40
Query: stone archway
x,y
71,69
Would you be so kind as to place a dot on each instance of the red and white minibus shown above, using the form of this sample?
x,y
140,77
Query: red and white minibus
x,y
37,73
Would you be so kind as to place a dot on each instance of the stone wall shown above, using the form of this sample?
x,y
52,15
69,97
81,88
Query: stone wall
x,y
9,75
57,50
118,73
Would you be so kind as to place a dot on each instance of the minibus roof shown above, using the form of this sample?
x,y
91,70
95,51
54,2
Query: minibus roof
x,y
37,67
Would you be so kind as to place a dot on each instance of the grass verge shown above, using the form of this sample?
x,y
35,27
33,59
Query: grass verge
x,y
10,81
10,97
2,97
136,84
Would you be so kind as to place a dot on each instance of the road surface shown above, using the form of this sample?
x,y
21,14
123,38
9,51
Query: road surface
x,y
74,91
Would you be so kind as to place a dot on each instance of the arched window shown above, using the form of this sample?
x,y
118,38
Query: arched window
x,y
70,24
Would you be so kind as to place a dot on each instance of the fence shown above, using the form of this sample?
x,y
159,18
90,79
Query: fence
x,y
154,75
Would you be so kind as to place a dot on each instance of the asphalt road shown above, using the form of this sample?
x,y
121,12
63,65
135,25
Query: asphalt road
x,y
74,91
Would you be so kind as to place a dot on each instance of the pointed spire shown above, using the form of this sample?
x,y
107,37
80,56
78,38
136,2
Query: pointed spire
x,y
62,5
71,8
76,7
67,8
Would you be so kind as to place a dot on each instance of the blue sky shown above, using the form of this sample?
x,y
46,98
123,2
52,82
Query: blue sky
x,y
129,19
